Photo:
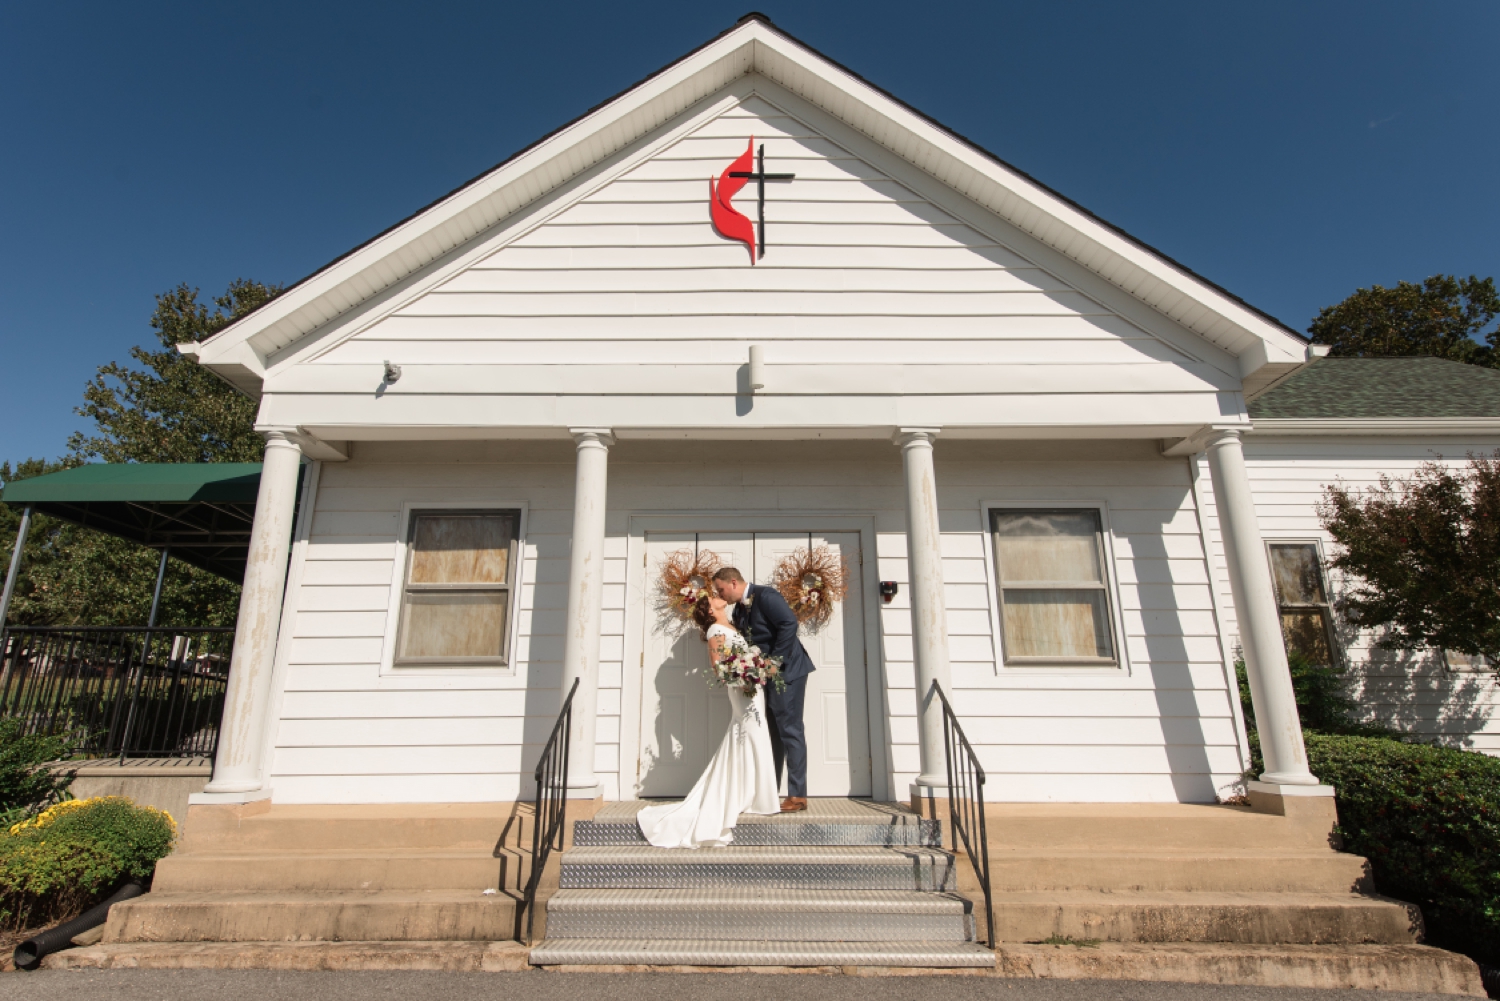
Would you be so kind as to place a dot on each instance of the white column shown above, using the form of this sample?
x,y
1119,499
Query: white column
x,y
585,604
237,767
929,612
1259,619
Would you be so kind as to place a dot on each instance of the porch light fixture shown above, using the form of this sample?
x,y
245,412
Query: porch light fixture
x,y
887,591
757,367
392,372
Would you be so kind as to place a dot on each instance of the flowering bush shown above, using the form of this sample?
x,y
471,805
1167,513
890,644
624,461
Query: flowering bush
x,y
71,855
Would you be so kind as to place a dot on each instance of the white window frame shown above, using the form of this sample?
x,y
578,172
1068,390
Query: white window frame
x,y
409,510
1340,657
1055,666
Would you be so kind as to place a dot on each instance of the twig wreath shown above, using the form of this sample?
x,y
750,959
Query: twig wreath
x,y
683,579
812,580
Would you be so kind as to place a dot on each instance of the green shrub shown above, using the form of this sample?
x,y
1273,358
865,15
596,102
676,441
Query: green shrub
x,y
75,853
1428,819
25,782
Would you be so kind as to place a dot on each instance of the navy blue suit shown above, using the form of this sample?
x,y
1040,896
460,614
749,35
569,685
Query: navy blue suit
x,y
770,624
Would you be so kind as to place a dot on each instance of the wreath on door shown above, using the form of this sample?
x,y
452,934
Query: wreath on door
x,y
682,580
812,580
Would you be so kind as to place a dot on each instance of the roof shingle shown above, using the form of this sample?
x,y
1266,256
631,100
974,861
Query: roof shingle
x,y
1353,388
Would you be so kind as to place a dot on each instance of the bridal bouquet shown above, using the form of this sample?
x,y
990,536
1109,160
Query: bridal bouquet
x,y
746,668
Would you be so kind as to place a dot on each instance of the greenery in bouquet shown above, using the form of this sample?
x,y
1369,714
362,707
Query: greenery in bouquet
x,y
747,668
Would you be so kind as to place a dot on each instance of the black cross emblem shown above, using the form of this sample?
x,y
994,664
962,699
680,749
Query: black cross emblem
x,y
760,177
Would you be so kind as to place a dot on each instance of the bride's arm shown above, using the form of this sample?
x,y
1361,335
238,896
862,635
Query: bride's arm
x,y
715,648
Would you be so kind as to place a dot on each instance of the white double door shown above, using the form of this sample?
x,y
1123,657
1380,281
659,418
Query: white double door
x,y
683,718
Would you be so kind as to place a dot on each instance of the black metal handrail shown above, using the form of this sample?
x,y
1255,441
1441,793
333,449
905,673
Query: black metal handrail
x,y
551,807
118,691
966,805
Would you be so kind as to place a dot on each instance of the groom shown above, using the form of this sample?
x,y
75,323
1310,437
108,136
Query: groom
x,y
762,615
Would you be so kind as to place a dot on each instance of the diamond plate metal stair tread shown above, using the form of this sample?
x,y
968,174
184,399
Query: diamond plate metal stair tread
x,y
610,952
758,899
829,810
746,854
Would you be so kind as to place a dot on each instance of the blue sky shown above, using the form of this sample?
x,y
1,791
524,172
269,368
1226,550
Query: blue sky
x,y
1291,152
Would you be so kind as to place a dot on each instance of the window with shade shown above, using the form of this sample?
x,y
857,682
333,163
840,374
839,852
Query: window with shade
x,y
456,597
1306,619
1054,599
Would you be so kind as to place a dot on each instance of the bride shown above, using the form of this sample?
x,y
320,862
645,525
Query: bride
x,y
741,776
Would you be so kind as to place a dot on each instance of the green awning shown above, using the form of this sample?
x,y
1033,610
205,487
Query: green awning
x,y
202,511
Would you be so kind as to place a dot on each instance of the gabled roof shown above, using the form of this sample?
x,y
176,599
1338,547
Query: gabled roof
x,y
1382,388
1265,348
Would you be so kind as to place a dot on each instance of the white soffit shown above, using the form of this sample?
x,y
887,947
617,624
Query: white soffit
x,y
756,47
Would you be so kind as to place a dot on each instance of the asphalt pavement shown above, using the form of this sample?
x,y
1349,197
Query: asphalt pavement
x,y
274,985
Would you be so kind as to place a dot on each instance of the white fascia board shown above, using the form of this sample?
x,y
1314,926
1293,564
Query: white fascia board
x,y
756,47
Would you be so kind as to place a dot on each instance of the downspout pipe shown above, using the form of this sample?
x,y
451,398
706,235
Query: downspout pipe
x,y
29,954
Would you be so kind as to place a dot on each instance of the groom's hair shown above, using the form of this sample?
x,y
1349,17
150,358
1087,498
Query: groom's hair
x,y
729,573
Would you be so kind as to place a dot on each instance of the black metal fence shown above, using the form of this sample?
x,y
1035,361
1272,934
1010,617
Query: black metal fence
x,y
118,691
966,805
551,808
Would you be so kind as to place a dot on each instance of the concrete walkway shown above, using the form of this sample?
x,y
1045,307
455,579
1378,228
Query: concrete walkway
x,y
231,985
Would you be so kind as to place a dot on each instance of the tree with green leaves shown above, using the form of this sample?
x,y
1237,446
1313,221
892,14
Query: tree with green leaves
x,y
1445,316
168,410
1421,556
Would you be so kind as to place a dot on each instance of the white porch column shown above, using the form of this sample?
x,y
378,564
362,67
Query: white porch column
x,y
237,766
1259,619
585,604
929,612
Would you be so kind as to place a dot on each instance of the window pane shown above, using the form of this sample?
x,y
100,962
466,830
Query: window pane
x,y
1299,579
1047,545
454,624
461,549
1306,633
1056,623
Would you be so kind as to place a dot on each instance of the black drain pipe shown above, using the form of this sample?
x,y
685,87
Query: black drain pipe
x,y
28,955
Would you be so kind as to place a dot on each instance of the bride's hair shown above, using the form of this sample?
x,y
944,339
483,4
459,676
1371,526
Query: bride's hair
x,y
703,614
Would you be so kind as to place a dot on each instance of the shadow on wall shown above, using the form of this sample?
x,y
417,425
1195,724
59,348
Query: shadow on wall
x,y
1414,691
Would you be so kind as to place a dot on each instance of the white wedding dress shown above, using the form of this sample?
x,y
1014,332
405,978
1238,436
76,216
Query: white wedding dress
x,y
740,778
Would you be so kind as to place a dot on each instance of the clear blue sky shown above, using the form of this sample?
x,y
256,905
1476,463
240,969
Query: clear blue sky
x,y
1290,151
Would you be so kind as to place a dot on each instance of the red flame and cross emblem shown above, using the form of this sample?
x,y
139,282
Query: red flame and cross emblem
x,y
730,221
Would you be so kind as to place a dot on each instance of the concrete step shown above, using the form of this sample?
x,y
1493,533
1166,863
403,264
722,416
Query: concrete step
x,y
760,915
474,826
1217,871
854,867
1266,918
353,871
632,952
1414,969
1133,826
298,917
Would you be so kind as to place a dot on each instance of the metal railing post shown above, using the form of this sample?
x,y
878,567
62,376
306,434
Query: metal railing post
x,y
551,809
966,805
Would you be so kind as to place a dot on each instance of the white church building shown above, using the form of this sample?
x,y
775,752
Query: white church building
x,y
1031,436
753,306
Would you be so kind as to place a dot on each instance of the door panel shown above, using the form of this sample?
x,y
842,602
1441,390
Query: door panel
x,y
834,712
683,717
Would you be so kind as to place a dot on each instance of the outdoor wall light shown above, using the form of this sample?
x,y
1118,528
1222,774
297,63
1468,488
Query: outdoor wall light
x,y
888,590
392,372
757,367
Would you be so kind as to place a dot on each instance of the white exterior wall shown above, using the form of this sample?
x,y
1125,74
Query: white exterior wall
x,y
1162,727
1416,693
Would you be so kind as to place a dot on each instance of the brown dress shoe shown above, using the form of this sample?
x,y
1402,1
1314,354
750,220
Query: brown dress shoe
x,y
793,804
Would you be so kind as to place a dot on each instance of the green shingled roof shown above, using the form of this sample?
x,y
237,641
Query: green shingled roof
x,y
1353,388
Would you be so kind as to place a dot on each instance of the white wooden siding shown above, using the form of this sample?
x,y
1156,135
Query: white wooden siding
x,y
628,296
1411,692
1161,728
